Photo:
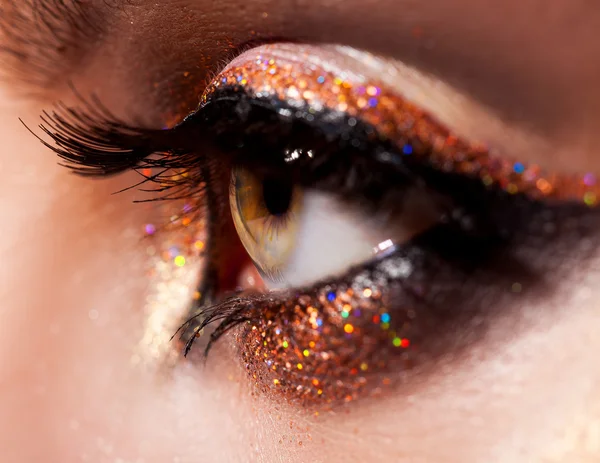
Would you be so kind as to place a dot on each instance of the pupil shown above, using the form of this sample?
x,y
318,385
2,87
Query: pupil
x,y
277,195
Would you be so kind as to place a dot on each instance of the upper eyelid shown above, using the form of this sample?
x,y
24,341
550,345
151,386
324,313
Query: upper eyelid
x,y
462,113
99,15
389,116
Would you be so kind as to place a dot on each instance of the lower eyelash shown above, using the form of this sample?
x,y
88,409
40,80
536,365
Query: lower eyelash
x,y
293,342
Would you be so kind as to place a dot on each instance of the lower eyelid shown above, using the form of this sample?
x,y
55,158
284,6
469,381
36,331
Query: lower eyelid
x,y
359,336
342,341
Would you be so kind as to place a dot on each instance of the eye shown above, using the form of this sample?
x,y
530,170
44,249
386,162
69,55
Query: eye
x,y
368,172
390,240
296,237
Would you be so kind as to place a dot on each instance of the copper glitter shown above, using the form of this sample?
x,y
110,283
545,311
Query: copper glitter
x,y
312,350
412,130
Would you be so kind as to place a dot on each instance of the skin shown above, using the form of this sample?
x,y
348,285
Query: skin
x,y
73,278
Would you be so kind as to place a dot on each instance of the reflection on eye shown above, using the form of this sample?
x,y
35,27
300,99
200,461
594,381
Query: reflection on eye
x,y
326,171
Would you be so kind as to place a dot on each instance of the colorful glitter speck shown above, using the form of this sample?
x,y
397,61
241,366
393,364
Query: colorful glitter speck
x,y
519,167
590,198
589,179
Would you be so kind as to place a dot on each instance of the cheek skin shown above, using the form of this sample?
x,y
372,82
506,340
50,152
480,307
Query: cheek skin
x,y
72,285
533,396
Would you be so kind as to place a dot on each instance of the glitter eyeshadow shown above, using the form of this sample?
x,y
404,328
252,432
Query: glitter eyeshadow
x,y
331,345
175,261
415,132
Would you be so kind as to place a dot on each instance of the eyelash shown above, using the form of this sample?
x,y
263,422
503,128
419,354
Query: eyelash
x,y
479,220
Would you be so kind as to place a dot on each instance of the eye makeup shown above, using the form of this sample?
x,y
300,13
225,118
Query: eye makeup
x,y
357,333
417,134
175,246
343,338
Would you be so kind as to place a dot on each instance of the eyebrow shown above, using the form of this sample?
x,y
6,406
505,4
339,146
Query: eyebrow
x,y
524,76
42,41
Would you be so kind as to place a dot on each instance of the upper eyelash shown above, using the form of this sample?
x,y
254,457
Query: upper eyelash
x,y
90,147
93,142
